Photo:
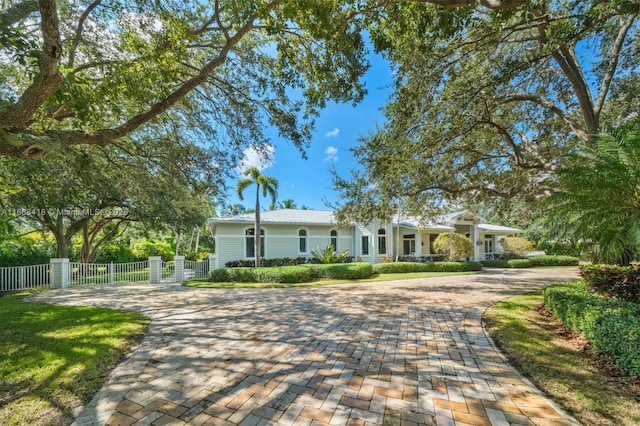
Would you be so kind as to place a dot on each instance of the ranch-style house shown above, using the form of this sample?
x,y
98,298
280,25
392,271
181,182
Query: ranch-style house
x,y
295,233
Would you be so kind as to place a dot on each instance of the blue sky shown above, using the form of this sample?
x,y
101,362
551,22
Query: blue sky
x,y
338,128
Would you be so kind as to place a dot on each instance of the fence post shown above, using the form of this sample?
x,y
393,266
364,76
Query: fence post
x,y
155,269
179,268
111,274
23,280
59,273
213,262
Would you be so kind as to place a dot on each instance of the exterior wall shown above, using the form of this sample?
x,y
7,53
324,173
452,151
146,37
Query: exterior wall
x,y
280,240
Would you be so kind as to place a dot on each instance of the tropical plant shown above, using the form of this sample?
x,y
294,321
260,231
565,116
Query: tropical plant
x,y
453,245
329,254
269,186
516,246
287,204
598,198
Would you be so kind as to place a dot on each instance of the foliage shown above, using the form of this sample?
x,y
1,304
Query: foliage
x,y
407,267
106,71
568,247
454,245
538,349
342,271
144,248
516,246
488,104
507,263
613,327
26,251
55,358
598,198
329,255
279,274
620,282
551,260
116,253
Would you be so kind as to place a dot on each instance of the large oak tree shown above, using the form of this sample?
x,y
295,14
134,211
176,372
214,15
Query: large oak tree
x,y
487,105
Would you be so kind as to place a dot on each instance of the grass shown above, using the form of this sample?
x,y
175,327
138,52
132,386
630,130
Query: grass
x,y
373,278
54,358
541,350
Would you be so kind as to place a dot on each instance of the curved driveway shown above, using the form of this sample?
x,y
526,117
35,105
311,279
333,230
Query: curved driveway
x,y
394,353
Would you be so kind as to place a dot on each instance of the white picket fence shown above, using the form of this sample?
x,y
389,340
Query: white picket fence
x,y
24,277
77,274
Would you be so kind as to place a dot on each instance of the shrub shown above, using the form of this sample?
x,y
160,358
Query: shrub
x,y
341,271
612,326
328,255
453,245
621,282
554,260
280,274
26,251
406,267
516,246
116,253
145,248
507,263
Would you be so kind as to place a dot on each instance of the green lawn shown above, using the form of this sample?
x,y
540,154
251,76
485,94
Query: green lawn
x,y
373,278
556,365
54,358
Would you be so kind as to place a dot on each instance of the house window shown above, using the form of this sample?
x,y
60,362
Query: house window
x,y
382,241
409,244
365,245
249,247
333,239
302,241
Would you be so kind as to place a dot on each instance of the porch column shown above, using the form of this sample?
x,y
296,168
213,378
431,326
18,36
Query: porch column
x,y
477,244
418,243
59,273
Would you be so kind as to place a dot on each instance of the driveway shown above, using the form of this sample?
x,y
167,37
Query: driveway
x,y
395,353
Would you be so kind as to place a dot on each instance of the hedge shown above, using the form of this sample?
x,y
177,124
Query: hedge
x,y
550,260
612,326
292,274
621,282
504,263
406,267
341,271
280,274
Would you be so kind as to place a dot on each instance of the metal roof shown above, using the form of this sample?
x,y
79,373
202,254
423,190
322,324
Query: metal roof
x,y
283,216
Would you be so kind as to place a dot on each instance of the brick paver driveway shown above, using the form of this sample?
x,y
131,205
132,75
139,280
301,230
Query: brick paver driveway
x,y
400,352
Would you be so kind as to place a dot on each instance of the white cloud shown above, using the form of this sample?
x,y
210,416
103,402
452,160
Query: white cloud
x,y
332,133
331,154
261,157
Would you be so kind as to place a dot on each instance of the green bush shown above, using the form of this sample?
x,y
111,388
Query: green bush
x,y
515,247
116,253
453,245
612,326
341,271
279,274
145,248
406,267
504,263
26,251
621,282
549,260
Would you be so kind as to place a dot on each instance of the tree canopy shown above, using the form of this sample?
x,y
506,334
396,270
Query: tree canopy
x,y
486,105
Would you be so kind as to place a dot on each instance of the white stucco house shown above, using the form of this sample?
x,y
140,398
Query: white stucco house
x,y
295,233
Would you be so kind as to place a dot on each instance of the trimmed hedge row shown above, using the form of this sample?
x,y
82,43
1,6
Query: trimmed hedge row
x,y
405,267
507,263
551,260
612,326
292,274
621,282
547,260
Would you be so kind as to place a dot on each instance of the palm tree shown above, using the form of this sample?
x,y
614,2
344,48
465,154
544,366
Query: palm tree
x,y
599,200
287,204
234,209
268,185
